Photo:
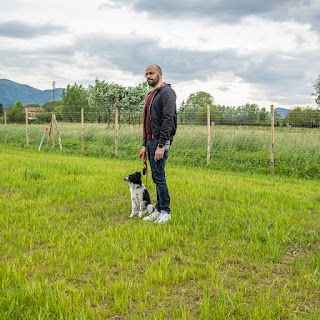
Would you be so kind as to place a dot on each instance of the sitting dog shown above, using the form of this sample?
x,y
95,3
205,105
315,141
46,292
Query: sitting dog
x,y
140,197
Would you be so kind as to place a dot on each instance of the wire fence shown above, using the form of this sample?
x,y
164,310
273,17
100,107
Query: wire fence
x,y
257,142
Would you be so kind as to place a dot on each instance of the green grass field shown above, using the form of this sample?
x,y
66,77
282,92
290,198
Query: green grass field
x,y
239,245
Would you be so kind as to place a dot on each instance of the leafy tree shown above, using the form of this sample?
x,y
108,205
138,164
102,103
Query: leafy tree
x,y
133,103
228,115
248,114
202,115
96,100
52,106
135,96
195,108
43,117
304,117
199,100
105,97
182,113
74,98
264,118
1,108
116,94
17,113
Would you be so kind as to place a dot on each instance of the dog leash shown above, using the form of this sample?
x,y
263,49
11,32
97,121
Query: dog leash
x,y
145,169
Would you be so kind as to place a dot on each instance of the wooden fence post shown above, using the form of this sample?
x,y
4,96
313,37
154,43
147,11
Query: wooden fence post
x,y
5,126
209,135
58,133
82,131
117,133
272,140
52,131
27,127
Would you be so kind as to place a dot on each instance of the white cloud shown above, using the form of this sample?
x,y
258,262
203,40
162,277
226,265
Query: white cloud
x,y
248,51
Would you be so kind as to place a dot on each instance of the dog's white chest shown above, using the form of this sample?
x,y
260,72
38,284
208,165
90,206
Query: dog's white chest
x,y
136,192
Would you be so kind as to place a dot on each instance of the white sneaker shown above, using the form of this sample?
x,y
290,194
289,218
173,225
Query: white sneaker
x,y
153,216
163,217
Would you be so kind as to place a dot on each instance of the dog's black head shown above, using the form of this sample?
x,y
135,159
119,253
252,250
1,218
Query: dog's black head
x,y
134,178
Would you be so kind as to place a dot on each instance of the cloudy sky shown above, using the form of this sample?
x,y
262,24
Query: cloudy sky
x,y
265,51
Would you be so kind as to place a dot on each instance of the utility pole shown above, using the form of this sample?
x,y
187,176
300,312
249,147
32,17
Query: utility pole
x,y
53,88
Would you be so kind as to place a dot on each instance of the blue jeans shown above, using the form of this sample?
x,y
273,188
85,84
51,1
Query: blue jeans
x,y
159,177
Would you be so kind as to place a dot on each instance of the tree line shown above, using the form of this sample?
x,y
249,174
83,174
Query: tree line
x,y
100,100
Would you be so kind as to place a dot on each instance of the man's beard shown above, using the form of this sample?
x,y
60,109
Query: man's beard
x,y
154,81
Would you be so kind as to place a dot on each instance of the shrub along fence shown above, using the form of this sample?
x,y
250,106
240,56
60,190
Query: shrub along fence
x,y
250,146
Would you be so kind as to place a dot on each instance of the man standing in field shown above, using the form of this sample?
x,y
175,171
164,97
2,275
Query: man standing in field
x,y
159,128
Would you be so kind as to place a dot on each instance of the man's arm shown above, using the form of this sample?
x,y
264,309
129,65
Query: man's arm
x,y
168,97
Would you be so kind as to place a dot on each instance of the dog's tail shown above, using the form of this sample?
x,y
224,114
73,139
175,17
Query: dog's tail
x,y
150,208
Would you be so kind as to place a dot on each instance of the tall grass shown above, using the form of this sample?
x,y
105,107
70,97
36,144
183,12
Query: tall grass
x,y
233,148
238,246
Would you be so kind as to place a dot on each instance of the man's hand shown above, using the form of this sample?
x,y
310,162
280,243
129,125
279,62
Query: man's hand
x,y
143,153
159,154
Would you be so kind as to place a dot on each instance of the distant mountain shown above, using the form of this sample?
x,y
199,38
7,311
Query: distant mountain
x,y
12,92
282,111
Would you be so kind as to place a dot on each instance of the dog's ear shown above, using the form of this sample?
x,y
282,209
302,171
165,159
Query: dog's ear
x,y
138,173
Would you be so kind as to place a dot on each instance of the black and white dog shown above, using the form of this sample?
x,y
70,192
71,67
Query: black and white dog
x,y
140,197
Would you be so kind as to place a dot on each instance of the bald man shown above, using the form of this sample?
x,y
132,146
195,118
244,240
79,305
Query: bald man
x,y
159,128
